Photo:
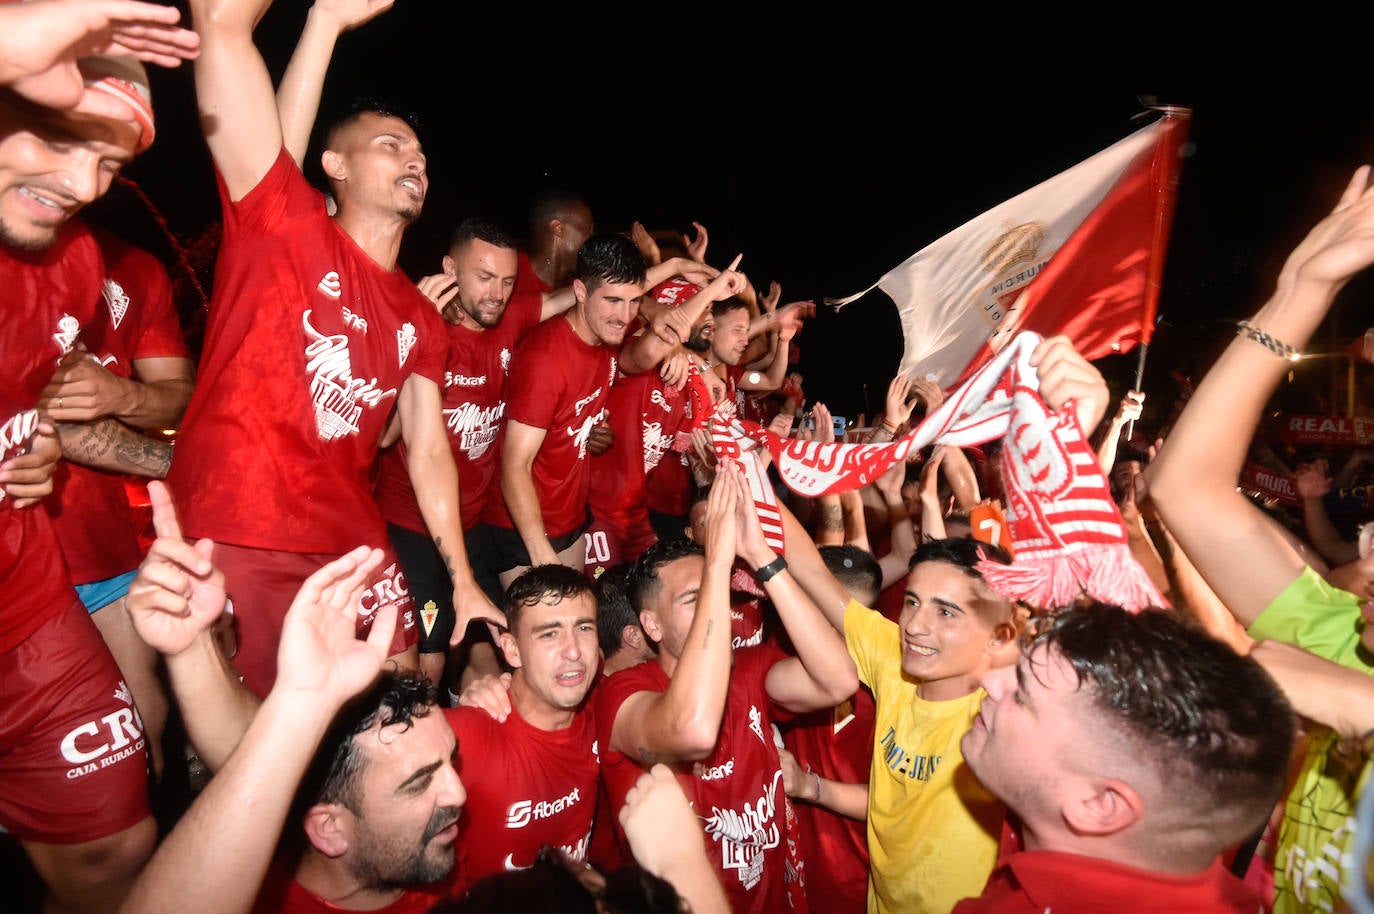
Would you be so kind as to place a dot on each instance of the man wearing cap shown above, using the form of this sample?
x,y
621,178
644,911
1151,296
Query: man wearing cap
x,y
647,416
73,785
314,338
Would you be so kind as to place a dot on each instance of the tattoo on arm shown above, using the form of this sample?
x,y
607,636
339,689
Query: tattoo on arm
x,y
443,554
108,444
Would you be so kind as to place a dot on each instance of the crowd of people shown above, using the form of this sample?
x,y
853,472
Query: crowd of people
x,y
530,585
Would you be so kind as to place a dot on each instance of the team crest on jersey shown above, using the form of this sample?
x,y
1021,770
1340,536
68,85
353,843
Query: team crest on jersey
x,y
330,285
68,328
122,693
405,340
505,361
117,301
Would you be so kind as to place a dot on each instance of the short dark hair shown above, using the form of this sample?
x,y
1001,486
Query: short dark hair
x,y
724,306
539,582
963,552
367,104
1212,722
613,608
552,203
396,699
610,257
642,583
480,229
852,566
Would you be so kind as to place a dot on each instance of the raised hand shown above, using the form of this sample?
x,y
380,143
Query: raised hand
x,y
696,247
320,651
27,478
648,247
1065,376
769,300
752,545
721,520
178,593
349,14
1312,479
1339,246
41,42
676,370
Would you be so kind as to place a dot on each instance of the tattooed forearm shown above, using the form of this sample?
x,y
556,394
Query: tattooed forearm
x,y
108,444
443,555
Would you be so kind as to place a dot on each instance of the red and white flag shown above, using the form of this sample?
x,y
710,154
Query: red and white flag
x,y
1080,254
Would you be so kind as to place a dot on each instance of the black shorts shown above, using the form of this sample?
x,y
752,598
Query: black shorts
x,y
508,549
432,588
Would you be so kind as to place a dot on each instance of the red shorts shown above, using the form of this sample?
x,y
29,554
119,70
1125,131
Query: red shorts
x,y
262,583
73,766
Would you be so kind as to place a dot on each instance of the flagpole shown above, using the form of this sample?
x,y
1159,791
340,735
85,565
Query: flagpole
x,y
1143,349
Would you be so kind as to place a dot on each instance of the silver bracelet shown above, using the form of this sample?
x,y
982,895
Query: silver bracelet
x,y
1276,346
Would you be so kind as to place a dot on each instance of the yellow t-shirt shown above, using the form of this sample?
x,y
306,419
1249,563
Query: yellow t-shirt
x,y
933,829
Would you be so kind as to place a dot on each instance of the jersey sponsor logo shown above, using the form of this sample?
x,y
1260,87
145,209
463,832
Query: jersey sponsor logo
x,y
405,341
116,299
68,329
330,285
474,428
339,397
106,741
745,834
523,812
354,321
452,379
581,404
390,587
716,772
656,397
753,640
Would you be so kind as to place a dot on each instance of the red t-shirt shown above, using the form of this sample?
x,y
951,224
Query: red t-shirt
x,y
736,791
90,508
474,413
306,348
1029,882
282,894
645,415
560,384
526,788
50,295
837,744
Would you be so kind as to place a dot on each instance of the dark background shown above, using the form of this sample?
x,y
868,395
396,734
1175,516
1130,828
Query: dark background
x,y
825,170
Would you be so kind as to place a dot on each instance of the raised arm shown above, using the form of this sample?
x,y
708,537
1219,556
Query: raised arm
x,y
1236,548
1127,412
822,674
682,723
298,96
670,328
238,109
434,476
242,810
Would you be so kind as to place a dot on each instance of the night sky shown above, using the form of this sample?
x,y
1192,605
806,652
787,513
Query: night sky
x,y
824,172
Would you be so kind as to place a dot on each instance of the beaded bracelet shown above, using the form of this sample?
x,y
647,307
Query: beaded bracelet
x,y
1276,346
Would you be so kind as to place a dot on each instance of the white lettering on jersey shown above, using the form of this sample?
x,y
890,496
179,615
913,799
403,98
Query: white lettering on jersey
x,y
116,299
354,321
330,285
578,406
463,380
656,444
339,397
581,434
656,397
745,834
405,340
522,812
474,427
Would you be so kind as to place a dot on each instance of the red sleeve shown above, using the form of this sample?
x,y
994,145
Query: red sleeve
x,y
279,198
